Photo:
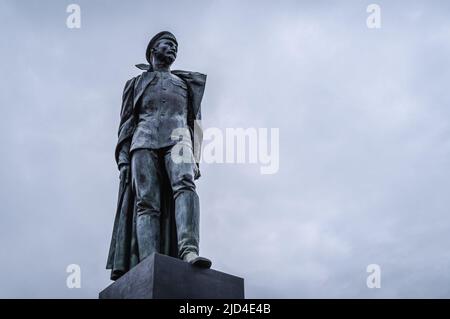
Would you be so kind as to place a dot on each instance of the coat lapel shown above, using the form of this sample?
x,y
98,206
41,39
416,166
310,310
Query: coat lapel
x,y
141,84
196,84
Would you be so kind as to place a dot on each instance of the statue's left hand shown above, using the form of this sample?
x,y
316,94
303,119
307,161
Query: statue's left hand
x,y
197,173
125,173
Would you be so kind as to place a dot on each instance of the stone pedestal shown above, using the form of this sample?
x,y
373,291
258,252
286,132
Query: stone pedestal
x,y
163,277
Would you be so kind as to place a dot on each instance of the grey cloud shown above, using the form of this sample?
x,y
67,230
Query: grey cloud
x,y
364,145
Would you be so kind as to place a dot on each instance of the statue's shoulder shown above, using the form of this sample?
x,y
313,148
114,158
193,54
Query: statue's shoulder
x,y
193,79
130,83
187,73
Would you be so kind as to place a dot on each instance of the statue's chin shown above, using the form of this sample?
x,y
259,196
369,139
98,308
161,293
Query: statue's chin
x,y
169,60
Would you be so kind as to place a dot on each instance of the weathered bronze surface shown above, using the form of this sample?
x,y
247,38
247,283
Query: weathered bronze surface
x,y
158,207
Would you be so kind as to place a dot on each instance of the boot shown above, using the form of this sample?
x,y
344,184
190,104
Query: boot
x,y
187,217
148,235
196,260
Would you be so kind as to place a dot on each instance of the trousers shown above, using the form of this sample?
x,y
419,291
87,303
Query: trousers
x,y
146,165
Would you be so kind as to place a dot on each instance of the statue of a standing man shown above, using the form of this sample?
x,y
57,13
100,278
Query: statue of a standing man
x,y
158,207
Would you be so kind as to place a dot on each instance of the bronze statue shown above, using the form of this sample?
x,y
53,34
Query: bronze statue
x,y
158,207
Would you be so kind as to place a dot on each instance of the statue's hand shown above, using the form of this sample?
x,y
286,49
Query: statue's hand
x,y
197,173
125,173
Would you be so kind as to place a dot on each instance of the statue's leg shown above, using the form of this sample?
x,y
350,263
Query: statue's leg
x,y
181,176
187,208
145,179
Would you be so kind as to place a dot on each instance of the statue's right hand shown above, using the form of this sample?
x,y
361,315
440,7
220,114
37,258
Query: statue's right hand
x,y
125,173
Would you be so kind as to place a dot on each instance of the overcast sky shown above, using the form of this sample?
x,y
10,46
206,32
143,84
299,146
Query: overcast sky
x,y
364,123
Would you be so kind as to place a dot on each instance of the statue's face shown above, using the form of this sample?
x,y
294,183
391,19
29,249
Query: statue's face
x,y
165,50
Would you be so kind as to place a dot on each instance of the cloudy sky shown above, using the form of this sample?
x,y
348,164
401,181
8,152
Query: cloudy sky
x,y
364,123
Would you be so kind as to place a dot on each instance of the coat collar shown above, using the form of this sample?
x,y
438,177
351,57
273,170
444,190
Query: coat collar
x,y
194,80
